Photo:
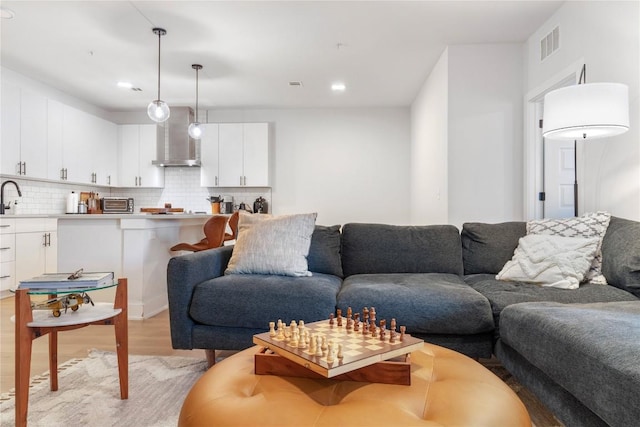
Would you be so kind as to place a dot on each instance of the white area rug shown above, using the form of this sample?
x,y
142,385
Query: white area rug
x,y
89,392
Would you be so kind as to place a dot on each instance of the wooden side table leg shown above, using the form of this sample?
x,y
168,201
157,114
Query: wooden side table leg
x,y
53,360
23,345
122,337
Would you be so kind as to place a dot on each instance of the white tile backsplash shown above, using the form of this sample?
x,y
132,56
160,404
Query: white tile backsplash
x,y
182,189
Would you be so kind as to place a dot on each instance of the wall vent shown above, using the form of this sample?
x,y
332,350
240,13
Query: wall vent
x,y
550,43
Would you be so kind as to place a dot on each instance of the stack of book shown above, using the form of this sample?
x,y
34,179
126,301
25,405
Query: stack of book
x,y
77,280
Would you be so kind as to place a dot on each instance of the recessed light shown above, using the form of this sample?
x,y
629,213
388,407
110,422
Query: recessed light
x,y
6,13
125,85
338,87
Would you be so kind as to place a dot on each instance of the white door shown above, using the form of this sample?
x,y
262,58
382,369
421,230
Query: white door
x,y
559,177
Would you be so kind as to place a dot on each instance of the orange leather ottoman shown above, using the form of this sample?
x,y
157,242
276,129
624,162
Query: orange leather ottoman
x,y
447,389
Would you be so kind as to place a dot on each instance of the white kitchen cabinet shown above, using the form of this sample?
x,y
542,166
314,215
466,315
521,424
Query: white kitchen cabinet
x,y
24,132
36,247
105,155
137,151
76,147
55,160
243,154
209,171
7,255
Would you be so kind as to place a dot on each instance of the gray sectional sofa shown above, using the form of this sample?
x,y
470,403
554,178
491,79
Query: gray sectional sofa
x,y
578,350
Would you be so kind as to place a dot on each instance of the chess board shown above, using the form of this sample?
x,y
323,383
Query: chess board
x,y
358,349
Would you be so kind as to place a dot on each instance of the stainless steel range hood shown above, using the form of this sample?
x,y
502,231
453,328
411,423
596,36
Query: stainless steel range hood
x,y
175,147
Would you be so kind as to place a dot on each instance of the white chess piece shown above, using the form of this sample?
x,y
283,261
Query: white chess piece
x,y
318,346
340,355
272,330
330,352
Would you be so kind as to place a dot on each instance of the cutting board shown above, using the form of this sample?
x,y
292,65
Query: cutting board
x,y
161,210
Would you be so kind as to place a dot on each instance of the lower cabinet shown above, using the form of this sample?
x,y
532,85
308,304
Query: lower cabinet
x,y
36,247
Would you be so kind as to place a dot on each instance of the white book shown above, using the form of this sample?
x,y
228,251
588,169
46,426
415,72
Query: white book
x,y
68,280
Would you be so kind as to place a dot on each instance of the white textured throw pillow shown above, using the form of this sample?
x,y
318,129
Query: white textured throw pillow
x,y
555,261
587,226
269,244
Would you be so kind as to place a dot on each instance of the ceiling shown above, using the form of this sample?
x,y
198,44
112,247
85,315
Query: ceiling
x,y
381,50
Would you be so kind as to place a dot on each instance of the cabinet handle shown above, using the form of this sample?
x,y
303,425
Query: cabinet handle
x,y
5,248
240,179
5,226
140,181
216,181
5,277
62,173
108,179
24,171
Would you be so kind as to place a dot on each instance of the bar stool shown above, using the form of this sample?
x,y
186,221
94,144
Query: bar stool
x,y
214,232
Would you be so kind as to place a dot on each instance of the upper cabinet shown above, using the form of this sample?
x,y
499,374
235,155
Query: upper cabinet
x,y
209,170
43,138
240,157
24,132
137,151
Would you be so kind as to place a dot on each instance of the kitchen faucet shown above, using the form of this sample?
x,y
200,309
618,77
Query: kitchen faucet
x,y
2,207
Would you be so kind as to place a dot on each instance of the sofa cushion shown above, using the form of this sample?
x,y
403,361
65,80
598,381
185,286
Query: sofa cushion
x,y
556,261
591,350
587,226
324,252
486,248
621,255
272,245
253,300
423,302
378,248
502,294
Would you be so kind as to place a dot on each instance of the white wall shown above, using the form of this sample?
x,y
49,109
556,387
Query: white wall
x,y
467,137
606,36
429,126
485,133
349,165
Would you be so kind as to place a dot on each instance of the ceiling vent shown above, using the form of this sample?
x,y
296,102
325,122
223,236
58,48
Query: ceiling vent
x,y
550,43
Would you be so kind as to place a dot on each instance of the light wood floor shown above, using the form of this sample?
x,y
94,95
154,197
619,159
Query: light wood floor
x,y
149,336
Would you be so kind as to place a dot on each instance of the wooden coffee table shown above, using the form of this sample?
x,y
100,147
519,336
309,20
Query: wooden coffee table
x,y
447,389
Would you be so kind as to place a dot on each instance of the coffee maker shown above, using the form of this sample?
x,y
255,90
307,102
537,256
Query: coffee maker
x,y
260,206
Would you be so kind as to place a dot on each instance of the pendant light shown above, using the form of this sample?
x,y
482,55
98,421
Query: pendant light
x,y
195,128
158,110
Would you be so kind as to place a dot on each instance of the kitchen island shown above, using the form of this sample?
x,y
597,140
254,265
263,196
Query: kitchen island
x,y
135,246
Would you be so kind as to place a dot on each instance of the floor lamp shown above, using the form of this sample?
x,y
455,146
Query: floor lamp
x,y
585,111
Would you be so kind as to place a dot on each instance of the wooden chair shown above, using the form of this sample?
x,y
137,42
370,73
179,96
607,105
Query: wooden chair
x,y
214,232
233,224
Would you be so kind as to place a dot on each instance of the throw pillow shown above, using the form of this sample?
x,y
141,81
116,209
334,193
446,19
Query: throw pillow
x,y
324,252
272,245
586,226
548,260
487,247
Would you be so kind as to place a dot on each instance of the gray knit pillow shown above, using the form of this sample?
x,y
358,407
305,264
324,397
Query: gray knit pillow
x,y
272,245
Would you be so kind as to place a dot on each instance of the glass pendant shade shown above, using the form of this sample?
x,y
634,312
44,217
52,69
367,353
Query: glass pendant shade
x,y
586,111
195,130
158,111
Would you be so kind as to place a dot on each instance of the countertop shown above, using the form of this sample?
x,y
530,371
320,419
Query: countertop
x,y
174,216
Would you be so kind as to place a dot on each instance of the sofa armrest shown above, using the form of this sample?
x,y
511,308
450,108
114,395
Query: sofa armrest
x,y
183,274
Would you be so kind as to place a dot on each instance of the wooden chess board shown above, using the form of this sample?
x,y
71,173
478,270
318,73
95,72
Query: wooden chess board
x,y
359,350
